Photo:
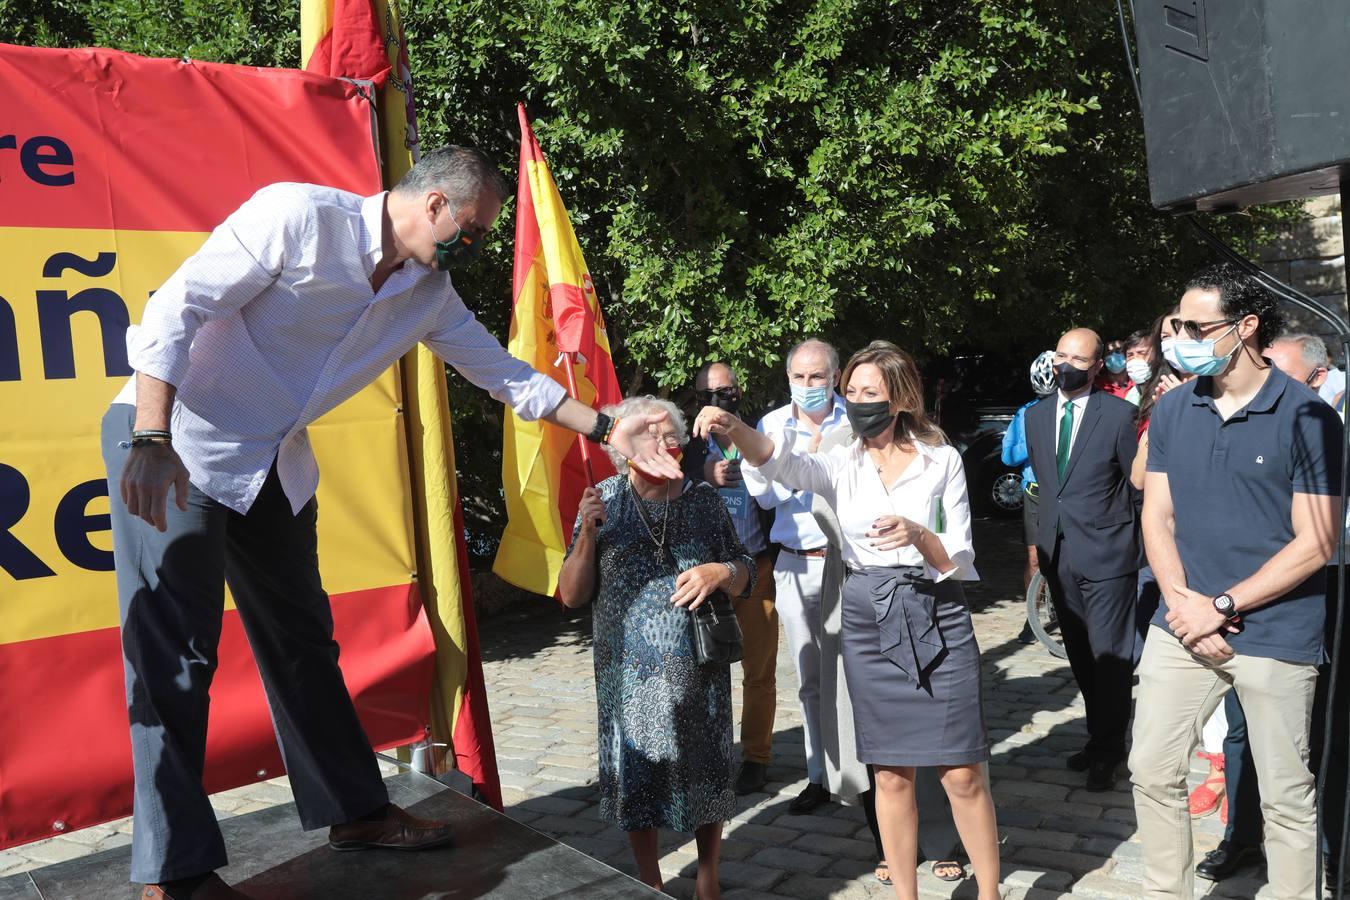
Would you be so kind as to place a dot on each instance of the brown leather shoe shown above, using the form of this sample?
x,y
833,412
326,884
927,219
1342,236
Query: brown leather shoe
x,y
396,831
213,888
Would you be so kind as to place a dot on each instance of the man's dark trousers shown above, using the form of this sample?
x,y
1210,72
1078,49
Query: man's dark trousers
x,y
171,594
1090,553
1096,620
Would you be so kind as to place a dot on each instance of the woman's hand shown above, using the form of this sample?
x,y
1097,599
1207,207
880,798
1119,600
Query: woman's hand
x,y
592,510
1165,384
636,438
714,420
894,532
693,586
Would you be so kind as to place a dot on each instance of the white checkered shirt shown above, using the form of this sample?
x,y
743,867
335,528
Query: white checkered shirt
x,y
273,323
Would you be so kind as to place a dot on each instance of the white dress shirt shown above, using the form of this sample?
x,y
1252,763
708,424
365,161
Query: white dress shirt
x,y
273,323
849,481
1079,407
793,524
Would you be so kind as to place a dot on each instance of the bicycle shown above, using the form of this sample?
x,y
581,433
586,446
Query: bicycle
x,y
1041,616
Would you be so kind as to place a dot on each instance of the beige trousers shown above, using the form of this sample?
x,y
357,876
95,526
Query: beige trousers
x,y
1177,692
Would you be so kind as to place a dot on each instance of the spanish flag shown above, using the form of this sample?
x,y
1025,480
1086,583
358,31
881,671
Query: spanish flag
x,y
363,40
556,326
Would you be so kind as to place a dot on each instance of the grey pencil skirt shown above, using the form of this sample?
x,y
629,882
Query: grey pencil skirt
x,y
913,670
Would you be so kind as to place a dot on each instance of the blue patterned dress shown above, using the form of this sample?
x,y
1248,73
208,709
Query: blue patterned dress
x,y
664,721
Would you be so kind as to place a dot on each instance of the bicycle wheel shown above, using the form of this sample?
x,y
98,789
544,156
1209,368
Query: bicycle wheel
x,y
1041,615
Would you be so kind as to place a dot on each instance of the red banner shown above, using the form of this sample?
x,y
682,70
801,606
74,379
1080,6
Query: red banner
x,y
113,169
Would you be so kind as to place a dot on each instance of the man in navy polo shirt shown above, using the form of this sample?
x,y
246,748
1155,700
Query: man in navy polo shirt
x,y
1241,509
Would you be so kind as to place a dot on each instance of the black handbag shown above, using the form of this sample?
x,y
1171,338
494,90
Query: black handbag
x,y
714,631
717,634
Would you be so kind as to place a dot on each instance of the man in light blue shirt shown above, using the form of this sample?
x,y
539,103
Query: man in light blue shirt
x,y
815,411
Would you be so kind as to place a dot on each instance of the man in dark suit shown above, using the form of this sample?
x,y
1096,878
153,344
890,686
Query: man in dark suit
x,y
1082,443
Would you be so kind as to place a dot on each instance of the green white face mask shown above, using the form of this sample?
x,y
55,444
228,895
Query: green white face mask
x,y
460,250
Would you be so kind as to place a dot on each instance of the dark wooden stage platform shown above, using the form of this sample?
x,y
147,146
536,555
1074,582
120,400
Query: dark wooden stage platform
x,y
272,859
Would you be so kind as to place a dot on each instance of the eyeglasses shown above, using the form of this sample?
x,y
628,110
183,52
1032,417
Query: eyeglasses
x,y
1196,330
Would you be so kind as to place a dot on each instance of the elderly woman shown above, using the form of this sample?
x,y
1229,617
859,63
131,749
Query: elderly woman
x,y
910,657
649,551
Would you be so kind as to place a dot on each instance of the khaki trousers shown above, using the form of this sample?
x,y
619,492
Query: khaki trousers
x,y
759,663
1178,691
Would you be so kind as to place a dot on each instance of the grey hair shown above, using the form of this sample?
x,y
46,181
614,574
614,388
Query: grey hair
x,y
1313,347
462,173
644,406
830,352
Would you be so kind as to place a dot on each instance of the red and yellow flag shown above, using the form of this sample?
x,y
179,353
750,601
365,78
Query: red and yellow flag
x,y
556,320
363,39
102,200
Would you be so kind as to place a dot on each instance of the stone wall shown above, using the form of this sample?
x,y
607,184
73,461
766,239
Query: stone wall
x,y
1311,258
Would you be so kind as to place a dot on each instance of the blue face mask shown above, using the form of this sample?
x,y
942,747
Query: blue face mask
x,y
810,399
1197,357
1115,363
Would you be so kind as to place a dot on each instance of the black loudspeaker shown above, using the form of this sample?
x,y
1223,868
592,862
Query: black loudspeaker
x,y
1244,101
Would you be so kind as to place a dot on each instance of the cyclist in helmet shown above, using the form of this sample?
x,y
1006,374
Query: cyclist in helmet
x,y
1015,454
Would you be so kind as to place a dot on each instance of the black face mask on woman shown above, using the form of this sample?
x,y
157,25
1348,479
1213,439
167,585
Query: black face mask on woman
x,y
869,419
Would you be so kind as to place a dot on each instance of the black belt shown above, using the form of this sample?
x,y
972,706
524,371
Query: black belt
x,y
818,553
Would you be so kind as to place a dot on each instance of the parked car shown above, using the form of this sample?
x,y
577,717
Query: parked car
x,y
972,400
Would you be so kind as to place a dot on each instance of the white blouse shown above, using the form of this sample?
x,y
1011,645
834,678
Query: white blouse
x,y
931,492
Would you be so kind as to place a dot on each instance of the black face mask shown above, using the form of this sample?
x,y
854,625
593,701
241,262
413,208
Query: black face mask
x,y
1070,378
869,419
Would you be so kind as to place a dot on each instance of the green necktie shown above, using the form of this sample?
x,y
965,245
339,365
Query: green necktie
x,y
1065,439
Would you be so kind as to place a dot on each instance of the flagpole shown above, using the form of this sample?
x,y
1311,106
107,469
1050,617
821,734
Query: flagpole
x,y
570,361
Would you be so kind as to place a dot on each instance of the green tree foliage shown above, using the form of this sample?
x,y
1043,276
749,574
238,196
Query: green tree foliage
x,y
742,173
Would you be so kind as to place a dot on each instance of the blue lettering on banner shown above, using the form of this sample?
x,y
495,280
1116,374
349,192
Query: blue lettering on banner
x,y
737,500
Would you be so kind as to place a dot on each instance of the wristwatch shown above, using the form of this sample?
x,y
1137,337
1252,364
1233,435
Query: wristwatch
x,y
1226,606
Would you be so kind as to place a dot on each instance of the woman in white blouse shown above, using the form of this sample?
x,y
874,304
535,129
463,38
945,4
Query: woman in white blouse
x,y
910,656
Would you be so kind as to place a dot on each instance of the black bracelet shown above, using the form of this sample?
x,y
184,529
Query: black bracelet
x,y
600,430
148,437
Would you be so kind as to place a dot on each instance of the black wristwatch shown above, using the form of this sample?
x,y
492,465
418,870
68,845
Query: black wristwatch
x,y
1226,606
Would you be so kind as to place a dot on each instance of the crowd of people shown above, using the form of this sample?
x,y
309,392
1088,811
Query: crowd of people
x,y
1183,491
1186,503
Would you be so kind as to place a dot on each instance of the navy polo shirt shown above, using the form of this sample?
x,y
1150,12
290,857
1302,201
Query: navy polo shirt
x,y
1233,484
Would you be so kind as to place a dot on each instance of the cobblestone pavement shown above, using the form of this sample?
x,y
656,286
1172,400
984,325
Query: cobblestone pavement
x,y
1058,840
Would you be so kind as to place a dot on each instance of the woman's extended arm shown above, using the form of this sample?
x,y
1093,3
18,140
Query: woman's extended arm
x,y
576,582
780,462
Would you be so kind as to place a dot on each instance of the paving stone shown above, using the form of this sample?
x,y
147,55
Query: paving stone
x,y
840,827
835,847
748,875
1018,873
1077,863
559,806
763,834
811,887
790,860
517,766
558,825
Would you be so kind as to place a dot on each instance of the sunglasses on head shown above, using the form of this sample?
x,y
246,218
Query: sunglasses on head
x,y
1196,330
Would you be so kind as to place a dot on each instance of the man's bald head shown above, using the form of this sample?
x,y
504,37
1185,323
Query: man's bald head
x,y
1084,341
715,376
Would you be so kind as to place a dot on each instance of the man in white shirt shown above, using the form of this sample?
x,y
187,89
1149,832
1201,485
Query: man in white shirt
x,y
816,410
298,300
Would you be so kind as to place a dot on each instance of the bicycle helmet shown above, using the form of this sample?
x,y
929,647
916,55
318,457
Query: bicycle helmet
x,y
1043,374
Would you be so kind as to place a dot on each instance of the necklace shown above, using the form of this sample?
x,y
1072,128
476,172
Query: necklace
x,y
665,522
